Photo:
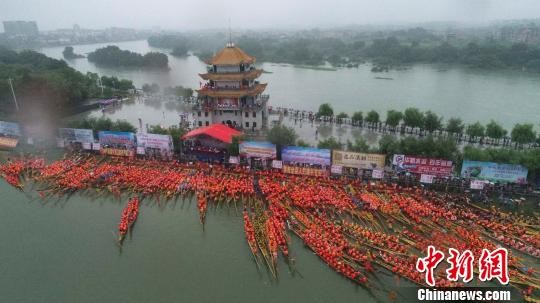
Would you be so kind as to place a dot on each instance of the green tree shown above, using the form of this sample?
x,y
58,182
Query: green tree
x,y
302,143
495,131
69,54
341,116
330,143
123,126
360,146
157,129
455,125
413,117
326,110
412,146
357,117
234,148
475,130
113,56
151,88
155,60
388,145
432,121
177,133
281,136
523,134
393,118
372,117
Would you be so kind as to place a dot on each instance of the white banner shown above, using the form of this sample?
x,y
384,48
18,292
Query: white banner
x,y
76,135
60,142
96,146
157,141
336,169
234,160
277,164
140,150
86,145
377,174
477,184
426,178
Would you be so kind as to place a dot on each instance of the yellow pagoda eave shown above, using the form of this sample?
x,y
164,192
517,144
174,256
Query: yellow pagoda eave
x,y
249,75
231,55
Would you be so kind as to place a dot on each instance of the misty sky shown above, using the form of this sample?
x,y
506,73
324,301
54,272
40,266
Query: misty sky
x,y
199,14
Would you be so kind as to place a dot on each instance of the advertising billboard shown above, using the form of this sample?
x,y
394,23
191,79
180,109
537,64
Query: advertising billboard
x,y
422,165
8,142
9,129
162,142
258,149
491,171
76,135
309,155
118,152
112,138
358,160
296,170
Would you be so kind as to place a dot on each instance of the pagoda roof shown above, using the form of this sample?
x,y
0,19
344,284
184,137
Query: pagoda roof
x,y
252,74
231,55
219,132
249,91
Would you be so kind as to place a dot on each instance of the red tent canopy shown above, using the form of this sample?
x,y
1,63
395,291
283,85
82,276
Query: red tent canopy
x,y
217,131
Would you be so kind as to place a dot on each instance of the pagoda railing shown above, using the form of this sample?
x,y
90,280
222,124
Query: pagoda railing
x,y
218,88
210,108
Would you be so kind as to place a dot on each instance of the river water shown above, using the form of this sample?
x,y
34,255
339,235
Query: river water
x,y
65,251
473,95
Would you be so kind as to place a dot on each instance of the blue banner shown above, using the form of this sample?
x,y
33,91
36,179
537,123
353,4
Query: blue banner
x,y
494,171
9,129
111,138
308,155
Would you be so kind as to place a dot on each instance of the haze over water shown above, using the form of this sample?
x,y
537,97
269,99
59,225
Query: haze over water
x,y
507,96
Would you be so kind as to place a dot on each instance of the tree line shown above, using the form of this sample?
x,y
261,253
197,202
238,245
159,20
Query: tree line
x,y
413,121
178,91
399,47
114,56
428,146
48,89
388,145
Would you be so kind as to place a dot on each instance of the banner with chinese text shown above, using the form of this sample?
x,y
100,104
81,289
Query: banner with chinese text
x,y
358,160
494,171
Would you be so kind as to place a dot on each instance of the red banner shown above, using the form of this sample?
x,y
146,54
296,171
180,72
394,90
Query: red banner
x,y
295,170
428,166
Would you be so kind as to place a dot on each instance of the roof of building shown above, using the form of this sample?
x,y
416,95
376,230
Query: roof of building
x,y
249,91
231,55
251,74
217,131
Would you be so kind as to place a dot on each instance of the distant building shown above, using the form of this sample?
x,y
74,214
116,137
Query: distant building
x,y
231,95
21,28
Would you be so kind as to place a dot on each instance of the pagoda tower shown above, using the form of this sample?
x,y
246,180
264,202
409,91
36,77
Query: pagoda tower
x,y
230,93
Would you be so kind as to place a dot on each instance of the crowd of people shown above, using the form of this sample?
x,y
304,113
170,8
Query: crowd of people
x,y
357,228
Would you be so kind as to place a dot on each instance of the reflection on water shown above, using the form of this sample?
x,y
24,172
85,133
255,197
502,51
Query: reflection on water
x,y
452,91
